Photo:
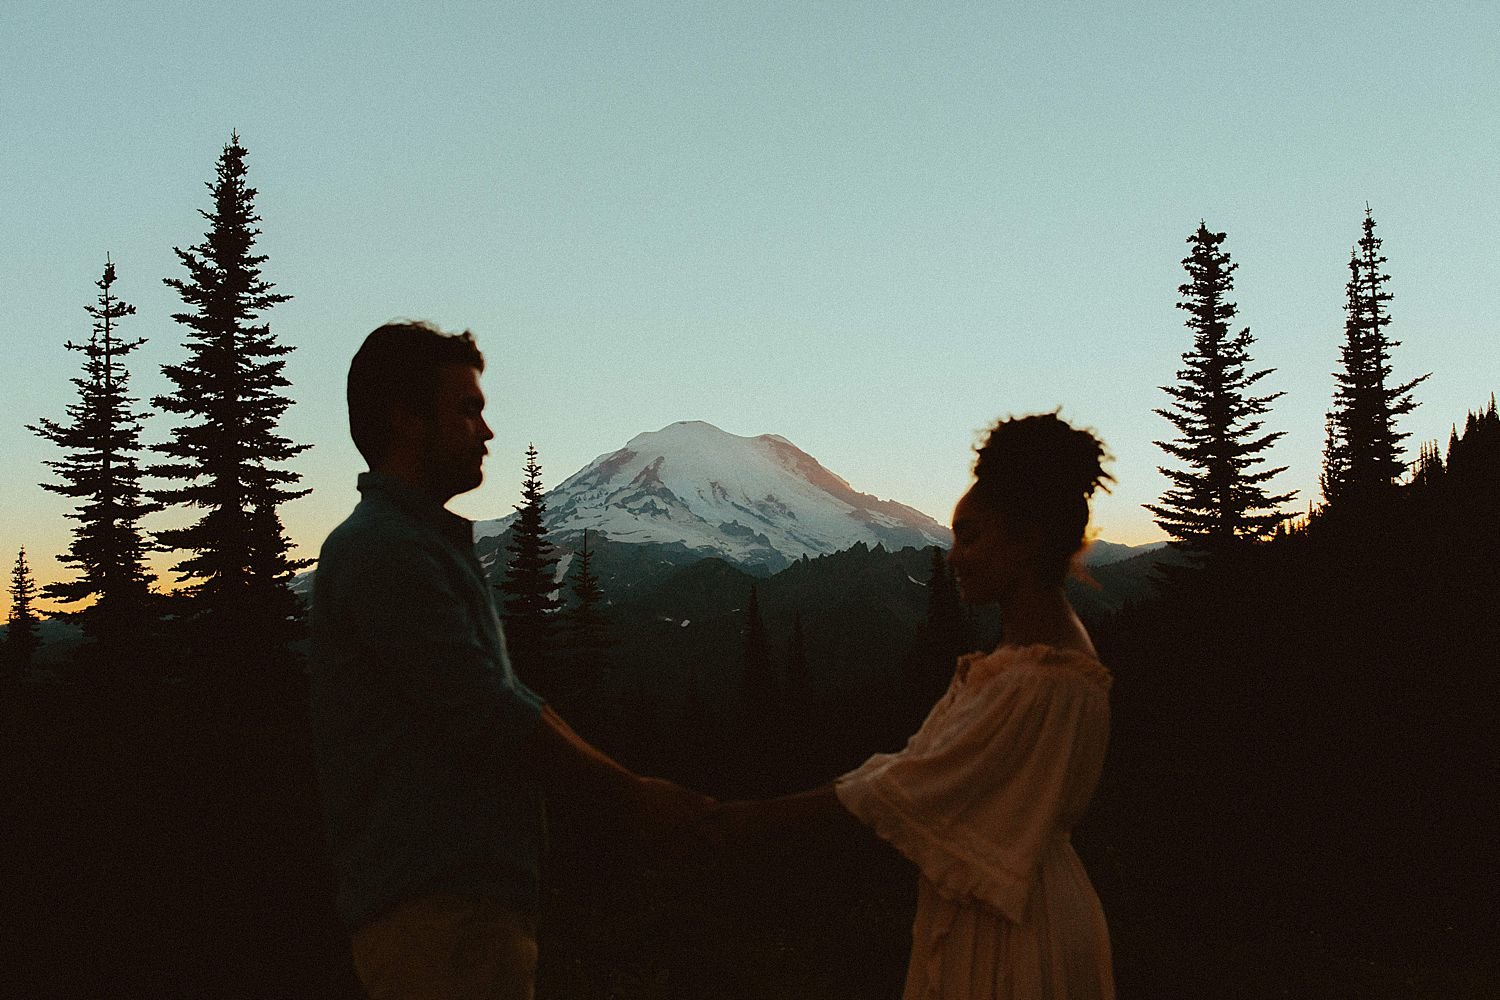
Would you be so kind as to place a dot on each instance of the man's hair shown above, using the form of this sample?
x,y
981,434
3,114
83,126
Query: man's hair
x,y
397,366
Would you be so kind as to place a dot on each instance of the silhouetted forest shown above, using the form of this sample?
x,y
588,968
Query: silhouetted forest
x,y
1299,800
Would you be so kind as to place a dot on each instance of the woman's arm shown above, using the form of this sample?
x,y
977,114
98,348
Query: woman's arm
x,y
812,813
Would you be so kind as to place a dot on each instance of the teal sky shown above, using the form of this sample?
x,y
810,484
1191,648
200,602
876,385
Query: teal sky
x,y
870,228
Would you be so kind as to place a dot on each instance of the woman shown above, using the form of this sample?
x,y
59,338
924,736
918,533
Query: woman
x,y
984,796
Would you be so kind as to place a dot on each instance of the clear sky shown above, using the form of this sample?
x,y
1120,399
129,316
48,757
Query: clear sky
x,y
870,228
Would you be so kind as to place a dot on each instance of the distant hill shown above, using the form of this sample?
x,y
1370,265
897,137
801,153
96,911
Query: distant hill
x,y
680,626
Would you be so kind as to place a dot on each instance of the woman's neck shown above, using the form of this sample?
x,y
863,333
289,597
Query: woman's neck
x,y
1038,614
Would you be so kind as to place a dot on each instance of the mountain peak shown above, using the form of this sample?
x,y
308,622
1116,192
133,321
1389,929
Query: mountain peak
x,y
756,501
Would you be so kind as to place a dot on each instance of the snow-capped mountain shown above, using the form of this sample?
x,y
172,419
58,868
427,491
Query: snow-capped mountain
x,y
750,500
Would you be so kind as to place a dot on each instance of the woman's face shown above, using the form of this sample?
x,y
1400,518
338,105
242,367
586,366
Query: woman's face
x,y
987,558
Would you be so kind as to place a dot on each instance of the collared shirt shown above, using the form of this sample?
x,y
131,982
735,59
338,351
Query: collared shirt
x,y
419,721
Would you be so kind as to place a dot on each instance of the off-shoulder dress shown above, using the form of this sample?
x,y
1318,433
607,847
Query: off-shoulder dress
x,y
983,799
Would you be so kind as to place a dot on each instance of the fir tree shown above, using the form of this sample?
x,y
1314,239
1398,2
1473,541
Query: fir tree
x,y
760,685
530,584
944,634
796,656
1362,454
588,635
1474,458
102,437
21,636
1428,472
226,456
1219,498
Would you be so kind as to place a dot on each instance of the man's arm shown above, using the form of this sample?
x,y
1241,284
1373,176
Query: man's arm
x,y
656,807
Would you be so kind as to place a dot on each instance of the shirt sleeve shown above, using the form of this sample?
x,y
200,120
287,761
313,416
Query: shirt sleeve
x,y
417,641
980,791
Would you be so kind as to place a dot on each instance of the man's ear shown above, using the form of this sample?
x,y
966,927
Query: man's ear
x,y
407,426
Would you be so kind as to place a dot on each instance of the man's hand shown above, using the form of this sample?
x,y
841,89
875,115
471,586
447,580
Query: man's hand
x,y
730,823
666,813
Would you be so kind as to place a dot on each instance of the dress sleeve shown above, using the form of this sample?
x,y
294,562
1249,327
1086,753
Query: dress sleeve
x,y
981,790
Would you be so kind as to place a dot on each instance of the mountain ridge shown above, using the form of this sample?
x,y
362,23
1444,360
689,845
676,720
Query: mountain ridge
x,y
759,502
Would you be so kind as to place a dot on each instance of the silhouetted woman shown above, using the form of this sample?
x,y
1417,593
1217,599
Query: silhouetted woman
x,y
984,796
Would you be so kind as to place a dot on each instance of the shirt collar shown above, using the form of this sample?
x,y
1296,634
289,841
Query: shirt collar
x,y
418,505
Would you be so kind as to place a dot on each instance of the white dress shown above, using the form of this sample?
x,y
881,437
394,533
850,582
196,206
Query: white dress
x,y
983,799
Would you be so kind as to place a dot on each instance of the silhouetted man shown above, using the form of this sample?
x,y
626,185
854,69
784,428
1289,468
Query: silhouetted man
x,y
431,754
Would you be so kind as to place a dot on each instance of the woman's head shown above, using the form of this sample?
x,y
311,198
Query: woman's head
x,y
1028,509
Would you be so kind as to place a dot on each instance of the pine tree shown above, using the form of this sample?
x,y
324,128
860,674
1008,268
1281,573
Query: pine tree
x,y
226,457
1362,454
1219,499
1474,458
944,634
588,633
22,639
796,657
761,690
530,584
1428,472
101,472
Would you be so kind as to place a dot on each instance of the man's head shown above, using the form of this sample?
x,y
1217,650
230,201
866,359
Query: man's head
x,y
415,407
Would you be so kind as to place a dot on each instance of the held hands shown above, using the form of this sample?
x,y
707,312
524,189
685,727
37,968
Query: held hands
x,y
730,823
667,814
685,822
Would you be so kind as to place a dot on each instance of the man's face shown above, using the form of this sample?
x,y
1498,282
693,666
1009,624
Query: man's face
x,y
453,449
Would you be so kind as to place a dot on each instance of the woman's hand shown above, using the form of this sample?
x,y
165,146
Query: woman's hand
x,y
732,823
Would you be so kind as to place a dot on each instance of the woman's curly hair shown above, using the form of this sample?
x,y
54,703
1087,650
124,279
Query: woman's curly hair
x,y
1040,471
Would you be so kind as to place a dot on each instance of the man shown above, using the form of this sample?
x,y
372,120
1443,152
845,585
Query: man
x,y
432,756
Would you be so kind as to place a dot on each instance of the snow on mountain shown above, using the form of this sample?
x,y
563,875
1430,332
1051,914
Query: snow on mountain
x,y
750,500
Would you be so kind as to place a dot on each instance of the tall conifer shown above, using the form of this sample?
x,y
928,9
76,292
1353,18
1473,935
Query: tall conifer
x,y
1362,453
943,635
588,632
21,636
530,584
1218,497
101,472
796,657
761,690
226,457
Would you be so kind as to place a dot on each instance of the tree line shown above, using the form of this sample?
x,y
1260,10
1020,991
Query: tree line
x,y
234,614
224,462
1219,497
1287,657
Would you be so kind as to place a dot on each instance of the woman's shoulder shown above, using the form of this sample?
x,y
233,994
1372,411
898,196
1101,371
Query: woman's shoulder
x,y
1038,662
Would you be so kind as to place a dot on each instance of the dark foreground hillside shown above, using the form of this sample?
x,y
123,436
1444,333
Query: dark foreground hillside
x,y
1299,802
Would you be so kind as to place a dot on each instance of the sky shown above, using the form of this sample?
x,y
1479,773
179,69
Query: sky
x,y
869,228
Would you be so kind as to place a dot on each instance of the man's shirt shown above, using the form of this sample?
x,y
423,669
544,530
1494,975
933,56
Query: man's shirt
x,y
419,721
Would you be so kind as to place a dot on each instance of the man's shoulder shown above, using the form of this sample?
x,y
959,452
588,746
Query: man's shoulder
x,y
375,532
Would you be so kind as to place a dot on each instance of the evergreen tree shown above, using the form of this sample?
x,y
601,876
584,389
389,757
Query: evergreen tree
x,y
226,457
21,636
944,634
102,437
530,584
761,690
1219,498
945,612
1362,454
588,635
1474,458
796,657
1428,473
